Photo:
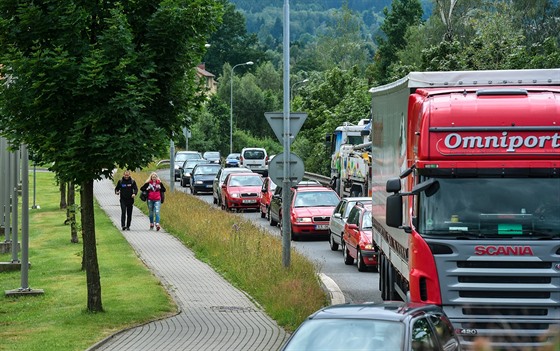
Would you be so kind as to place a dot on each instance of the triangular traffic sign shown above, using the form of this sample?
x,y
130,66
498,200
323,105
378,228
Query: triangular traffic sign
x,y
276,121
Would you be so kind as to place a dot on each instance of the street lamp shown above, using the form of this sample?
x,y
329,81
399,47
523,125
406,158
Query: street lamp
x,y
231,104
296,83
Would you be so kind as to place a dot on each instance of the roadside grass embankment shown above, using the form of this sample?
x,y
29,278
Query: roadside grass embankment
x,y
245,255
58,320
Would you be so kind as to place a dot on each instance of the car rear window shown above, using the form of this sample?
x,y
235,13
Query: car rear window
x,y
254,155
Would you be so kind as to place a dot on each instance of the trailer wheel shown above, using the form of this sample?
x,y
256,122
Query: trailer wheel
x,y
391,284
383,280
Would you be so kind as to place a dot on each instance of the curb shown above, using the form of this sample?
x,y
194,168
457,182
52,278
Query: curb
x,y
335,294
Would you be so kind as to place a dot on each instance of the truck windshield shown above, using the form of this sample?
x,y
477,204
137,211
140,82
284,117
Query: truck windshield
x,y
492,208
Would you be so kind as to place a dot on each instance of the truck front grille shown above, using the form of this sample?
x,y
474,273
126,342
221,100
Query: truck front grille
x,y
512,300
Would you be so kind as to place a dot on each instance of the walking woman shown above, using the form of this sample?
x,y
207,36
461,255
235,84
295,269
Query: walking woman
x,y
156,196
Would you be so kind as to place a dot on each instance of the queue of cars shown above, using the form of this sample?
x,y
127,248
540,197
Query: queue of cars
x,y
318,211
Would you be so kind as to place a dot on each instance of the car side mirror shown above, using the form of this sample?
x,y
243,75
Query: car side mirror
x,y
352,226
337,215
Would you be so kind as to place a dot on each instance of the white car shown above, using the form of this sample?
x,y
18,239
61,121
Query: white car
x,y
339,217
256,159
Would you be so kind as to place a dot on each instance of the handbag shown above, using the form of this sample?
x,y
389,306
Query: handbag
x,y
144,195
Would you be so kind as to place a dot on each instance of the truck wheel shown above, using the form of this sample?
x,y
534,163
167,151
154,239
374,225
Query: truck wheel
x,y
332,244
383,280
348,260
361,264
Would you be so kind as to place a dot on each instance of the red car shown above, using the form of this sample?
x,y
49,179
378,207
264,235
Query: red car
x,y
240,191
265,195
357,243
311,208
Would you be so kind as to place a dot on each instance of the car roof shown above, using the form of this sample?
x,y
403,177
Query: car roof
x,y
251,174
236,170
357,198
388,310
314,187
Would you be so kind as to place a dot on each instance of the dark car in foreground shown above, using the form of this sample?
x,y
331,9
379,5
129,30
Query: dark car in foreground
x,y
387,326
202,176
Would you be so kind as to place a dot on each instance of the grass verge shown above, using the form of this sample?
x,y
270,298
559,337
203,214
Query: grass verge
x,y
246,255
58,320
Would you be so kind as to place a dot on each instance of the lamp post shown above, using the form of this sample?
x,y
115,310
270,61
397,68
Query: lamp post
x,y
231,104
293,85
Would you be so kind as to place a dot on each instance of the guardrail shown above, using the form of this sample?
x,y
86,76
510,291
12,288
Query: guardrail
x,y
324,180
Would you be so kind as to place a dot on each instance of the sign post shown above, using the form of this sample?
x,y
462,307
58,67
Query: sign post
x,y
286,168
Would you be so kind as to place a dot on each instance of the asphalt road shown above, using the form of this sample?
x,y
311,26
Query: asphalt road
x,y
357,287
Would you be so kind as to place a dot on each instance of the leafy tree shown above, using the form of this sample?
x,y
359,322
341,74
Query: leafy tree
x,y
94,85
403,14
231,43
330,98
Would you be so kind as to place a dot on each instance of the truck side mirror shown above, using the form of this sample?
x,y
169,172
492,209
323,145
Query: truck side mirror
x,y
393,185
393,211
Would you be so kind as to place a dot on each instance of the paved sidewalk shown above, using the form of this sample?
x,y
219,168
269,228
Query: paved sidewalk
x,y
214,314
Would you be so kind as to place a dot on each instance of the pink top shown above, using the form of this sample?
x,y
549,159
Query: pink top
x,y
154,188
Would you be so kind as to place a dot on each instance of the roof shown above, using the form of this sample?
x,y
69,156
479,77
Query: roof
x,y
389,310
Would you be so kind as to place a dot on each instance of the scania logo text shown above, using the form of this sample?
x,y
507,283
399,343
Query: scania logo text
x,y
491,250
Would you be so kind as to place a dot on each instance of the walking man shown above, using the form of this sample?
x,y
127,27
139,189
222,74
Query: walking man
x,y
127,189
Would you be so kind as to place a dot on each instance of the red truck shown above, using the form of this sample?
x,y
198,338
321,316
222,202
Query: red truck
x,y
466,200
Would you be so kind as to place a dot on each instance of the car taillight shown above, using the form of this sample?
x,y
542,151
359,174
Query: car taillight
x,y
266,160
241,159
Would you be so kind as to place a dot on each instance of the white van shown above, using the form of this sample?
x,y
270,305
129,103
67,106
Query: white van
x,y
254,158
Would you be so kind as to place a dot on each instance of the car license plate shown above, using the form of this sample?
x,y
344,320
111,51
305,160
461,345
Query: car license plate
x,y
249,201
322,227
208,185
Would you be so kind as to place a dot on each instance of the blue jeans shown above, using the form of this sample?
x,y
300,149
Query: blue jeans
x,y
153,208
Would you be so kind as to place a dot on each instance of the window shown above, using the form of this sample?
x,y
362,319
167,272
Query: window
x,y
423,338
354,216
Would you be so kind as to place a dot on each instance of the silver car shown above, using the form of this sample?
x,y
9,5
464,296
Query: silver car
x,y
339,217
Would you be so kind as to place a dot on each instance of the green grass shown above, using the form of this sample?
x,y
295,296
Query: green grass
x,y
245,255
57,320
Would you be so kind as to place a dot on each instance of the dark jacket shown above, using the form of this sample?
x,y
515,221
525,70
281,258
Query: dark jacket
x,y
126,187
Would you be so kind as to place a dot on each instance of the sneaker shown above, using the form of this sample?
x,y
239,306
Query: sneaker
x,y
127,228
151,226
123,228
157,226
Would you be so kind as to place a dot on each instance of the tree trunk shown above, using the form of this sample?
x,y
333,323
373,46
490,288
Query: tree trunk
x,y
89,262
63,203
71,213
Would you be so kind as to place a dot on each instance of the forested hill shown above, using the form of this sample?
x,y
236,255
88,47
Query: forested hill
x,y
254,6
310,18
